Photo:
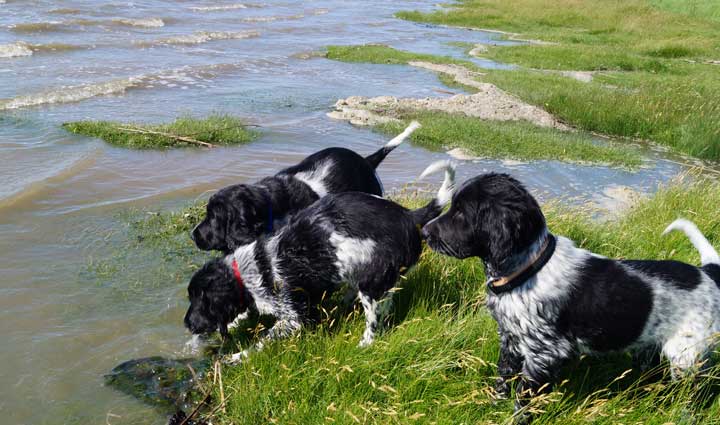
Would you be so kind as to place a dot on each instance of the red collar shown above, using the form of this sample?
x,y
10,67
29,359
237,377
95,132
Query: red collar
x,y
238,277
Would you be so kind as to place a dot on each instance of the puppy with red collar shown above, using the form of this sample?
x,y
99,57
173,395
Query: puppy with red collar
x,y
353,237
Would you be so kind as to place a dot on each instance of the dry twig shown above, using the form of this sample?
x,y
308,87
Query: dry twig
x,y
169,135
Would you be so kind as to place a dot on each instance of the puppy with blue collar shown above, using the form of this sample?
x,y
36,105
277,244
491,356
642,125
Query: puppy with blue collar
x,y
237,215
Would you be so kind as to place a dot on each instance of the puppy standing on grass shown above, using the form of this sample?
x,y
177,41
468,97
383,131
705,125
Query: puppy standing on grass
x,y
239,214
352,237
553,301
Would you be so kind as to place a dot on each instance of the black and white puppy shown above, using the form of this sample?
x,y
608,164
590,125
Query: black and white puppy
x,y
239,214
353,237
553,300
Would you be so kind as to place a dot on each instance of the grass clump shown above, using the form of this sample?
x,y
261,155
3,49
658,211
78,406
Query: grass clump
x,y
183,132
436,364
380,54
511,139
654,85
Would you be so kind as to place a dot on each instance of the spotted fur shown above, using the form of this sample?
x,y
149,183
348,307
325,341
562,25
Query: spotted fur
x,y
579,302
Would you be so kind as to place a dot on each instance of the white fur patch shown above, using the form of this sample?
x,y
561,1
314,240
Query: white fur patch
x,y
315,178
352,254
375,311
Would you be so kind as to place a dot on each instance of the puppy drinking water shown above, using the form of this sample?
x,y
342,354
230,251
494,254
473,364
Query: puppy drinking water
x,y
553,301
238,214
353,237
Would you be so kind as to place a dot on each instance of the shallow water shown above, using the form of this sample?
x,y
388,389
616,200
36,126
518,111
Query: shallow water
x,y
74,300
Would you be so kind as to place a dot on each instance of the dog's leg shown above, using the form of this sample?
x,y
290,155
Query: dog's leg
x,y
538,374
350,296
509,365
646,360
687,353
288,322
239,319
375,311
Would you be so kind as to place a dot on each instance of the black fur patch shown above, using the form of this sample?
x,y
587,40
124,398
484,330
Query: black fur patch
x,y
680,275
713,270
607,307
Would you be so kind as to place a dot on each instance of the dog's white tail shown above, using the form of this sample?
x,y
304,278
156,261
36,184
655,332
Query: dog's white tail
x,y
708,254
397,140
445,192
376,158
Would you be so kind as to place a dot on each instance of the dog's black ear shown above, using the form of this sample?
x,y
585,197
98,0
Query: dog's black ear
x,y
512,219
239,230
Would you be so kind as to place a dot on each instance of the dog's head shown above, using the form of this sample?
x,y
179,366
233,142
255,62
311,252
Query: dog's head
x,y
216,299
236,216
492,216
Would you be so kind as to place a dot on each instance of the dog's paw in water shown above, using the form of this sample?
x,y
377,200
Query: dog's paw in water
x,y
193,345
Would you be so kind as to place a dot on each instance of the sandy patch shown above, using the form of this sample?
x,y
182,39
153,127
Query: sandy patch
x,y
478,50
462,155
461,74
584,76
489,103
616,199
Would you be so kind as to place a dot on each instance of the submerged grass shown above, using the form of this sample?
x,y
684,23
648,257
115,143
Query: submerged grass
x,y
655,83
436,363
214,129
511,140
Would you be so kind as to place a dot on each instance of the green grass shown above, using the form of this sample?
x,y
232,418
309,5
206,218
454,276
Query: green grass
x,y
696,8
511,140
380,54
436,363
643,47
630,105
214,129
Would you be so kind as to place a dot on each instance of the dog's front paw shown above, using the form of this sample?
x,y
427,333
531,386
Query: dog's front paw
x,y
365,342
502,389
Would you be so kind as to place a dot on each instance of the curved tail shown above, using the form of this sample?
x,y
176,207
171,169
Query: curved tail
x,y
433,209
378,157
708,254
